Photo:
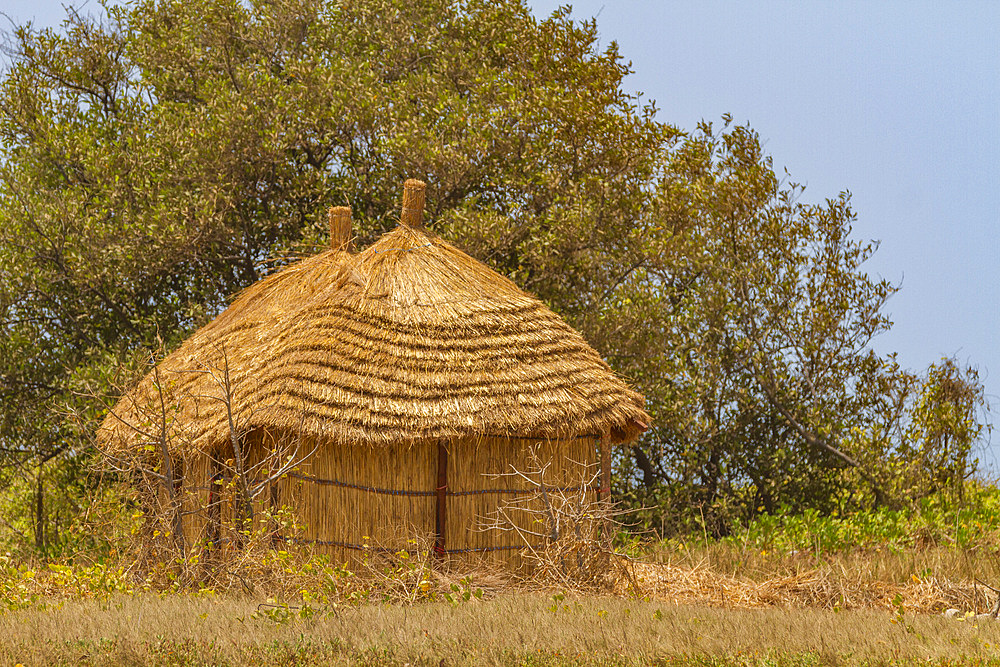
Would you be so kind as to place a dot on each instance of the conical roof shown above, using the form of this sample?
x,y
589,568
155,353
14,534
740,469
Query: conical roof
x,y
407,341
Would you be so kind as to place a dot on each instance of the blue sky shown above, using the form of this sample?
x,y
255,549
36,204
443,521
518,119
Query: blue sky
x,y
897,102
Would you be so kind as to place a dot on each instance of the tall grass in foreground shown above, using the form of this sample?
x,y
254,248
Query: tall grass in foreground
x,y
508,630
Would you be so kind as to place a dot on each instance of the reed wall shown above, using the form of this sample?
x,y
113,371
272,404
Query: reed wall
x,y
481,478
354,500
351,497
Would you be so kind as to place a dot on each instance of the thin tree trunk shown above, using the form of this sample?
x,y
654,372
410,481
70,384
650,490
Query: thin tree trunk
x,y
644,464
39,512
170,479
244,501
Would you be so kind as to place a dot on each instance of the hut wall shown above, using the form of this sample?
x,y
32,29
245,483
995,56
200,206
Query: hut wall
x,y
210,488
353,497
196,497
481,478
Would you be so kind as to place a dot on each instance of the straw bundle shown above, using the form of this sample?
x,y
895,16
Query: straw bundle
x,y
825,587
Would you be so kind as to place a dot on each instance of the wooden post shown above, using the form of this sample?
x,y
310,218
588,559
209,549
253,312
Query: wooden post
x,y
214,505
605,489
178,505
273,493
442,499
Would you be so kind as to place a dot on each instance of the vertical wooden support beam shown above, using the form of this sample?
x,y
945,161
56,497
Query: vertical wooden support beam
x,y
273,497
442,499
178,504
214,505
178,468
273,493
604,492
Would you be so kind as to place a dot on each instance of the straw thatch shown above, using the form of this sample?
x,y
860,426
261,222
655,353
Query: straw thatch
x,y
409,340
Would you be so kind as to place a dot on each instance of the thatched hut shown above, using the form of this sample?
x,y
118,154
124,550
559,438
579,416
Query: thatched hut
x,y
383,394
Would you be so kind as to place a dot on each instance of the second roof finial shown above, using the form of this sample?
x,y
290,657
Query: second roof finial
x,y
340,227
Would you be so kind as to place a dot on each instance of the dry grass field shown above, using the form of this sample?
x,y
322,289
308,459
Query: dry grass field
x,y
525,629
701,605
828,593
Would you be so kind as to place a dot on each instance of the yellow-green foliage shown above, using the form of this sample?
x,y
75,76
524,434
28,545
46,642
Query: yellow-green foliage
x,y
932,521
22,586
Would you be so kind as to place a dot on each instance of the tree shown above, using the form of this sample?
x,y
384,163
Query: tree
x,y
157,160
770,396
160,157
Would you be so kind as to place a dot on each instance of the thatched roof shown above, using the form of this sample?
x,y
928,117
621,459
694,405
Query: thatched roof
x,y
407,341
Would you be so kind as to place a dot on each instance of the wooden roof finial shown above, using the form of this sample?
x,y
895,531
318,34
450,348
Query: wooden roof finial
x,y
413,203
340,228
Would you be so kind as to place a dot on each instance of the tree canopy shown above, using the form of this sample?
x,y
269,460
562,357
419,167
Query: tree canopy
x,y
159,157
